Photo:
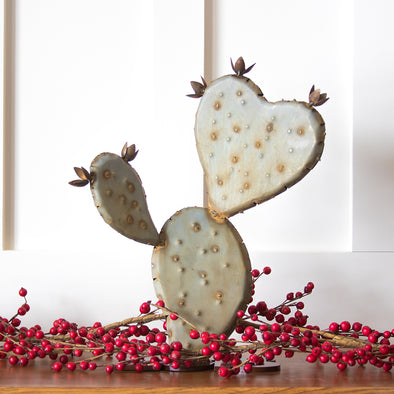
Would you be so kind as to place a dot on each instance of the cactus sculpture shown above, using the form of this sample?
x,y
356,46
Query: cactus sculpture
x,y
250,150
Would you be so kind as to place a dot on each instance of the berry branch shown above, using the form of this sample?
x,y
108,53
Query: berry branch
x,y
132,344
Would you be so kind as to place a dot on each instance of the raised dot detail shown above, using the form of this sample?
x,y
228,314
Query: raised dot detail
x,y
269,127
214,136
130,219
234,159
196,227
130,187
107,174
291,150
175,258
122,198
242,102
134,203
236,129
246,186
300,131
143,225
228,139
257,145
215,249
228,114
220,182
281,168
109,192
239,93
181,302
217,105
219,295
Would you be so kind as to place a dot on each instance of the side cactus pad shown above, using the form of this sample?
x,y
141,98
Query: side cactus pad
x,y
119,196
251,149
203,272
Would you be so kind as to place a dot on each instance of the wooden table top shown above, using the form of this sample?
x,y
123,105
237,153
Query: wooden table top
x,y
295,376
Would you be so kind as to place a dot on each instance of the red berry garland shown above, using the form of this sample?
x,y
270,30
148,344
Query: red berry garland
x,y
266,333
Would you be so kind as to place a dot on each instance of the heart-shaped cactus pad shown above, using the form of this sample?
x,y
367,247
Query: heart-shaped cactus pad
x,y
120,198
201,271
251,149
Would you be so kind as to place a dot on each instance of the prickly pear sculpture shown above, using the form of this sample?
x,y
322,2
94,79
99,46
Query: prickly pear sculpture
x,y
250,150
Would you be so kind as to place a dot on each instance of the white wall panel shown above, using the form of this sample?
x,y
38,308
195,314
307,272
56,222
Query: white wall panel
x,y
296,45
374,127
90,76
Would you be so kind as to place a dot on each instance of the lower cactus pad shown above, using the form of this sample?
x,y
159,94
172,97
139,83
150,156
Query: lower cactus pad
x,y
201,271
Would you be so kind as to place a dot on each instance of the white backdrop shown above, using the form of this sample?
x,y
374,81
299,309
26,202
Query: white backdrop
x,y
91,75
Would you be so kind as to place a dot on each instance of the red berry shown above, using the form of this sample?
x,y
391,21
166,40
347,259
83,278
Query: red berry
x,y
255,273
84,365
266,270
173,316
345,326
145,308
71,366
160,337
240,313
218,356
356,326
341,366
311,358
275,327
194,334
249,331
176,355
156,366
57,366
109,369
214,346
324,358
175,365
177,345
333,327
139,367
366,330
13,360
160,303
206,351
223,372
22,292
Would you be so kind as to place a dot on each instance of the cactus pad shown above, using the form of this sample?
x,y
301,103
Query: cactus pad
x,y
251,149
120,198
201,271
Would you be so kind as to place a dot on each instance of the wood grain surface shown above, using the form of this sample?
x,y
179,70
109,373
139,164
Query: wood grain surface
x,y
296,376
